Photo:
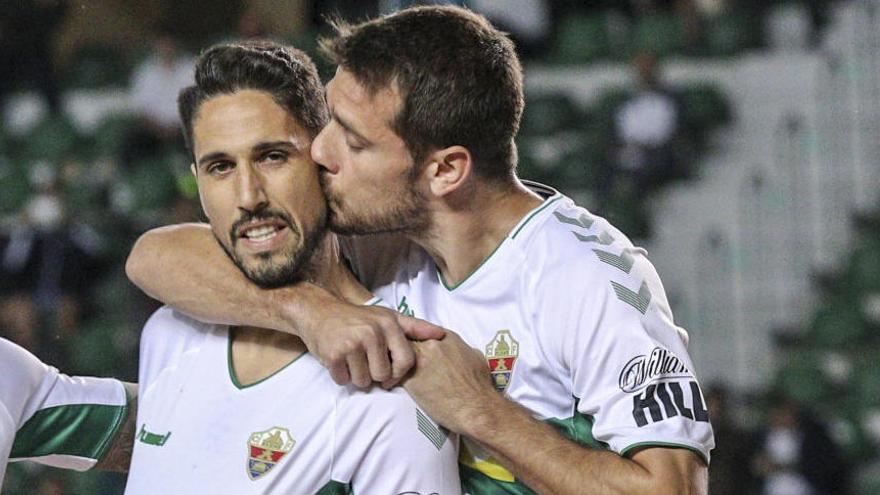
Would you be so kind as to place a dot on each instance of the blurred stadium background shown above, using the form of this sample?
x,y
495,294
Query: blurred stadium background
x,y
737,140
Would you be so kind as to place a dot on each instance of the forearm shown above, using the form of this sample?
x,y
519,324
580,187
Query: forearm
x,y
550,464
118,456
184,267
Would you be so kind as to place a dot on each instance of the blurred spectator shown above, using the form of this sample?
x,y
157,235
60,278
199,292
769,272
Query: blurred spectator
x,y
46,266
251,24
729,473
529,22
153,93
796,454
26,34
647,125
349,10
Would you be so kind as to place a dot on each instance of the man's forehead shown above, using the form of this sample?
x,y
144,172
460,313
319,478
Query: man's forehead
x,y
246,116
346,86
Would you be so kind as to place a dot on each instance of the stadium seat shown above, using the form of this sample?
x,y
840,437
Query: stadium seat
x,y
731,33
53,139
704,107
837,324
548,113
111,133
863,269
660,34
97,66
866,382
15,188
802,378
581,39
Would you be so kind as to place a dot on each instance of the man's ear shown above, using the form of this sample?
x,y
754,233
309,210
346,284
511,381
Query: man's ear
x,y
449,169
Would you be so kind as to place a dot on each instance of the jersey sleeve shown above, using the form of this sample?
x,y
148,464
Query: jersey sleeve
x,y
612,332
386,444
58,420
7,434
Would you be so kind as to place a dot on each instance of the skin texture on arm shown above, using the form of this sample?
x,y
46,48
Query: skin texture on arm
x,y
184,267
451,383
118,456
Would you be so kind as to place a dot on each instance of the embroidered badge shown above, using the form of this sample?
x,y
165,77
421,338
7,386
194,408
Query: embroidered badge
x,y
501,353
266,449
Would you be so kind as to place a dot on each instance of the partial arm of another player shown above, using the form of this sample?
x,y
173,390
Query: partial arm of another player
x,y
118,456
185,267
452,383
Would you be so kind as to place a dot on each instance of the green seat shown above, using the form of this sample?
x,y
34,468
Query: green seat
x,y
731,33
148,186
838,324
704,107
660,34
97,66
581,39
863,269
111,133
802,378
548,113
15,188
865,390
53,139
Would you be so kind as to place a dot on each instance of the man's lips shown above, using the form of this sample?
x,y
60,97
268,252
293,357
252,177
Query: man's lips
x,y
263,235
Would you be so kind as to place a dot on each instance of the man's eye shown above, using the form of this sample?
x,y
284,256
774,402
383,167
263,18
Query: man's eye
x,y
275,156
354,146
219,167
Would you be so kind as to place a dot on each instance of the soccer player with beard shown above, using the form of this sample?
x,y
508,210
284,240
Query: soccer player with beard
x,y
227,409
591,389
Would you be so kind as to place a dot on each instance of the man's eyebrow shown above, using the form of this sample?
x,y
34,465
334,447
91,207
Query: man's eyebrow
x,y
348,127
269,145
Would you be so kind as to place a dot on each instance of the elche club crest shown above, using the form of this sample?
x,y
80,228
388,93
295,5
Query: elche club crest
x,y
266,449
501,354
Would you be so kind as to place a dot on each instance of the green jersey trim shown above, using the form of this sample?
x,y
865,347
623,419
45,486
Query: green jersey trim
x,y
516,230
335,488
79,430
547,202
452,288
234,378
666,445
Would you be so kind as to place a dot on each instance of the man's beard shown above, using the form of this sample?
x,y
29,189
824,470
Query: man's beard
x,y
295,264
405,213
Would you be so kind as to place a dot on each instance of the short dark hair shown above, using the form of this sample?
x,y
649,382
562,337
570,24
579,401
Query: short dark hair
x,y
287,74
460,80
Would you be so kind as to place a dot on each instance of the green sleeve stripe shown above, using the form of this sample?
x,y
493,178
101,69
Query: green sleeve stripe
x,y
666,445
334,487
81,430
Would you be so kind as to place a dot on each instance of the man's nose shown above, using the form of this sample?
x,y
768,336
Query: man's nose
x,y
321,151
251,192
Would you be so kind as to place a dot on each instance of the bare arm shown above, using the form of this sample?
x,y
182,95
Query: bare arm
x,y
545,461
184,267
118,457
452,384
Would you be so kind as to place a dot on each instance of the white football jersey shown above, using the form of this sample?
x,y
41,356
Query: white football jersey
x,y
295,432
52,418
575,326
